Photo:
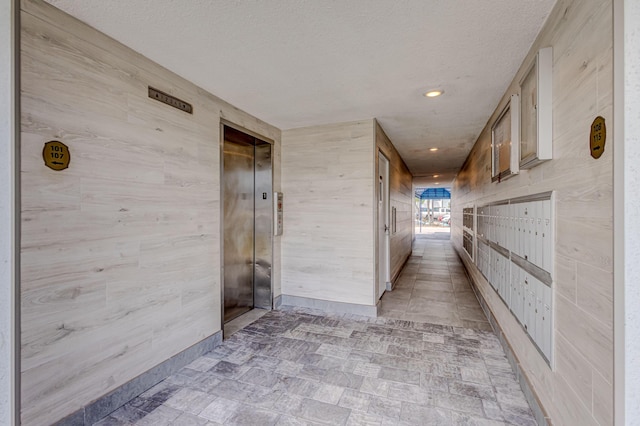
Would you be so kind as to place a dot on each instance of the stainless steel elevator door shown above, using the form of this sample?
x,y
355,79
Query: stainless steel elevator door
x,y
247,197
263,223
239,246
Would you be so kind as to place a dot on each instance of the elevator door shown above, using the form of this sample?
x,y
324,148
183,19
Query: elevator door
x,y
247,220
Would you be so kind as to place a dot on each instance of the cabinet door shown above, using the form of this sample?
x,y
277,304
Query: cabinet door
x,y
506,273
539,230
495,257
522,293
519,296
547,323
547,237
523,230
533,220
514,291
503,219
510,228
492,224
498,272
496,220
526,314
500,225
528,212
539,313
486,261
485,224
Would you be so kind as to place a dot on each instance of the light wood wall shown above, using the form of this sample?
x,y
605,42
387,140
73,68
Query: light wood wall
x,y
330,244
401,197
578,391
328,241
121,251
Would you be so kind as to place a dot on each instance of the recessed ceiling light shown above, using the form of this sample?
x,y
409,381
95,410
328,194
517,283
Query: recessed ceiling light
x,y
433,149
434,93
437,183
435,176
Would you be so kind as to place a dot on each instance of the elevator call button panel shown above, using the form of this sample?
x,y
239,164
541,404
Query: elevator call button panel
x,y
277,213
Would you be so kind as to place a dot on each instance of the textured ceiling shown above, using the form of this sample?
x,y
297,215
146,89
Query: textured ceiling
x,y
297,63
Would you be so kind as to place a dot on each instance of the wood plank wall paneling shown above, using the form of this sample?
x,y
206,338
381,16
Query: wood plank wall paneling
x,y
401,197
121,251
327,180
579,390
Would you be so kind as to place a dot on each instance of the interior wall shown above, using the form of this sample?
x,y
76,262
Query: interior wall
x,y
7,212
401,197
630,223
579,388
327,244
121,251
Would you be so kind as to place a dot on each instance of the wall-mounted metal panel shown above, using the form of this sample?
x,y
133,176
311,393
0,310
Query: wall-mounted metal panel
x,y
248,201
239,189
515,255
263,223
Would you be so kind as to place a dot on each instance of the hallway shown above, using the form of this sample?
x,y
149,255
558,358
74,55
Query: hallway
x,y
430,366
433,287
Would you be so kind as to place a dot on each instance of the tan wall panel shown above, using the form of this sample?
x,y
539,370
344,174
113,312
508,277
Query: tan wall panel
x,y
121,251
328,240
579,389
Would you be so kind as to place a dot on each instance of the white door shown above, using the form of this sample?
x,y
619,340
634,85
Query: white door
x,y
383,224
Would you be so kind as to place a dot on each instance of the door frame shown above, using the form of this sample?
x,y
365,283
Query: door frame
x,y
222,123
383,247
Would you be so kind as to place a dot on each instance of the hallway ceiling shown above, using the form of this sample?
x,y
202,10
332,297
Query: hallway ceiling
x,y
296,63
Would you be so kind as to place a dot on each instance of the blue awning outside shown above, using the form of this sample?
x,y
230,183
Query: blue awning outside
x,y
433,194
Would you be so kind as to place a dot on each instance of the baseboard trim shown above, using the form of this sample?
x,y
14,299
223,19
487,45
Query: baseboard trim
x,y
277,302
539,412
329,305
106,404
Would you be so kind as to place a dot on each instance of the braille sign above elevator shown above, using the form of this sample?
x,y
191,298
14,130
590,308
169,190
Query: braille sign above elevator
x,y
56,155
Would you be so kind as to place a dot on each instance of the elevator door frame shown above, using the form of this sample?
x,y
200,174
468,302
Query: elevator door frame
x,y
271,142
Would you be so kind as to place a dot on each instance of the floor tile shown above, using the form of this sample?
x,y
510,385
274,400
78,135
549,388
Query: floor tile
x,y
430,358
220,410
322,412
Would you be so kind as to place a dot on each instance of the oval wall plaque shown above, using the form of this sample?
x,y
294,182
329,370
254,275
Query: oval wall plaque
x,y
598,137
56,155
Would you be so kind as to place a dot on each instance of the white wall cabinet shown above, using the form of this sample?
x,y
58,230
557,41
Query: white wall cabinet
x,y
515,255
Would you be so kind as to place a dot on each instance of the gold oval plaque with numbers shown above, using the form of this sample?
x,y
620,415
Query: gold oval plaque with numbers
x,y
598,137
56,155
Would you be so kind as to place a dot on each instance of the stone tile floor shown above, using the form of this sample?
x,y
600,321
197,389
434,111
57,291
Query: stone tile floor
x,y
433,287
430,360
294,367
